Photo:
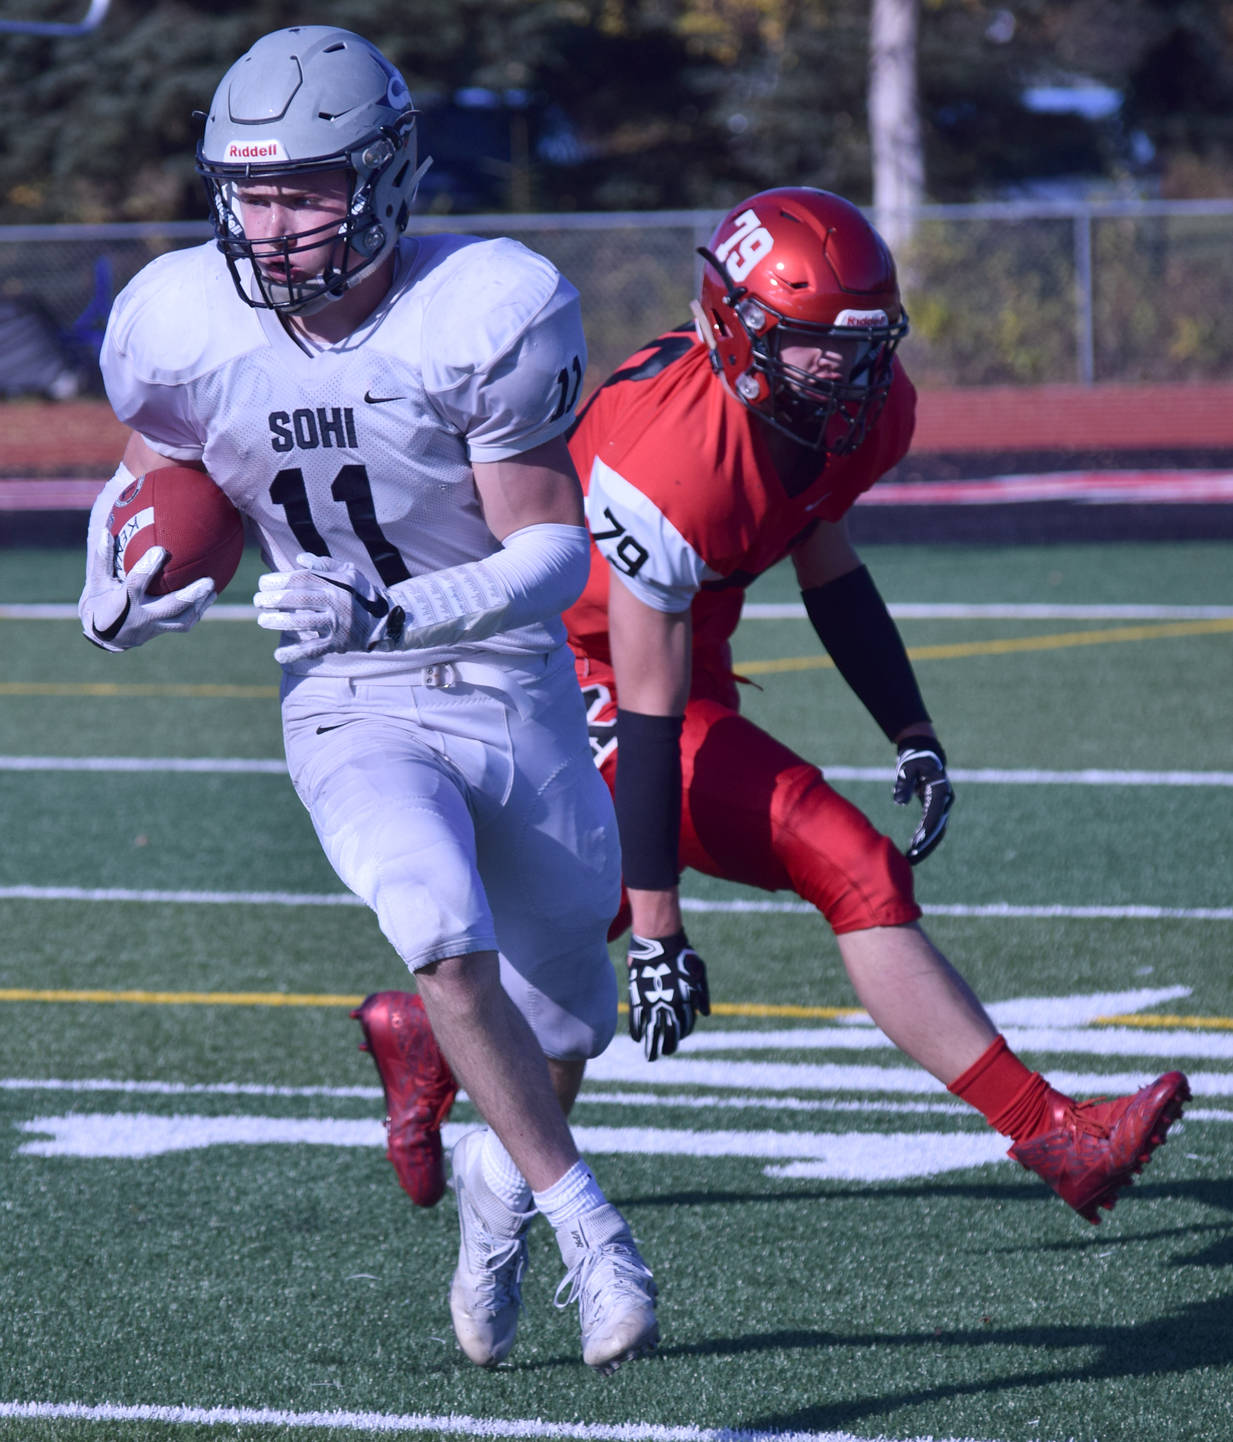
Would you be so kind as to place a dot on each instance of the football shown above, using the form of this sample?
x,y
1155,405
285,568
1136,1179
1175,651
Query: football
x,y
182,510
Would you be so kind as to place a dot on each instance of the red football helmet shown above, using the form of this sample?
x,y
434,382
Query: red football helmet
x,y
799,267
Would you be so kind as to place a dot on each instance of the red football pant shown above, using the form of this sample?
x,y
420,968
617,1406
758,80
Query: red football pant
x,y
753,811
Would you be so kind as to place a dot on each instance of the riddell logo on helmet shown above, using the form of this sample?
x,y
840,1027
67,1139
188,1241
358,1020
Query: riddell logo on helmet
x,y
862,318
254,150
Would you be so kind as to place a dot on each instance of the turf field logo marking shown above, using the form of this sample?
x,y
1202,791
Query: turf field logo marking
x,y
861,1156
1070,1025
850,1156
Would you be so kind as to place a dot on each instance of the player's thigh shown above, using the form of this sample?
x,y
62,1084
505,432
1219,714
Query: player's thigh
x,y
756,812
393,821
551,866
551,851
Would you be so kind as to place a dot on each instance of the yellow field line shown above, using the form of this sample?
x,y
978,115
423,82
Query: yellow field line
x,y
954,651
825,1013
1198,1023
282,998
1008,645
182,998
326,999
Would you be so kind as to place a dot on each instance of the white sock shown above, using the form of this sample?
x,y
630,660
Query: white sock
x,y
576,1192
502,1177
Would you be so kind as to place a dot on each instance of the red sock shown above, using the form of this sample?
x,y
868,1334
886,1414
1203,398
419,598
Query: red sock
x,y
1013,1100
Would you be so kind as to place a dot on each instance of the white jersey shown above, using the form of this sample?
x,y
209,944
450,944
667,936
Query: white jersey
x,y
361,450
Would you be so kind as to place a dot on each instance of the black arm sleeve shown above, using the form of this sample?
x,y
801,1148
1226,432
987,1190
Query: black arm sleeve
x,y
648,799
854,625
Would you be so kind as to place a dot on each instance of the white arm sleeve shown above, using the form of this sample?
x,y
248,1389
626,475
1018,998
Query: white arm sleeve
x,y
537,573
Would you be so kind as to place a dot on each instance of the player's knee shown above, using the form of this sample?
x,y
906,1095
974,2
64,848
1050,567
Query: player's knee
x,y
428,921
841,863
568,1000
878,893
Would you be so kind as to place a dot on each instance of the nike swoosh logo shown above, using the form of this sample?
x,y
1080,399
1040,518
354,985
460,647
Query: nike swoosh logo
x,y
373,400
321,730
109,633
376,608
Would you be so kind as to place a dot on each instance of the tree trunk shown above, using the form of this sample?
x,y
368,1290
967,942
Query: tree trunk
x,y
894,118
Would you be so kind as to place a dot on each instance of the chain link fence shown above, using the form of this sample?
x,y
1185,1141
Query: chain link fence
x,y
998,294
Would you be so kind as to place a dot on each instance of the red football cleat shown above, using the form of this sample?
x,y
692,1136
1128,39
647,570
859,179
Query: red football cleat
x,y
1093,1150
419,1089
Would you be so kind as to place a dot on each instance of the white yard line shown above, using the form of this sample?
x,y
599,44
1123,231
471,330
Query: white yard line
x,y
1090,776
986,909
208,765
110,894
416,1424
1029,611
202,898
992,776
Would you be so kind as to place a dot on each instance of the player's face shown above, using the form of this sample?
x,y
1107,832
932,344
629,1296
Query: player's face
x,y
292,222
837,359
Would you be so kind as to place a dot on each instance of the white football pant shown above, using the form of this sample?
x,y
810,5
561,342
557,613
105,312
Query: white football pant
x,y
461,803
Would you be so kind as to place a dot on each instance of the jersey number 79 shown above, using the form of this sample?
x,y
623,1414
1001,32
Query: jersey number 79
x,y
628,554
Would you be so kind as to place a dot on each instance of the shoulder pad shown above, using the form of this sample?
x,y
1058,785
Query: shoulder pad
x,y
485,294
179,317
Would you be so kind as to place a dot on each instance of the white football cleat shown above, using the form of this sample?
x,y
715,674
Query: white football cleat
x,y
486,1293
613,1287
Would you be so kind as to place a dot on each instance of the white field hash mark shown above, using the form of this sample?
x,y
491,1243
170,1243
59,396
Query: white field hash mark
x,y
417,1423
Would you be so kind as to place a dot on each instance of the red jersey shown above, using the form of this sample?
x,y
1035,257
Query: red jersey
x,y
685,501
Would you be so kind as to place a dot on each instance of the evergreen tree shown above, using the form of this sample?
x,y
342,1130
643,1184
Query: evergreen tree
x,y
631,104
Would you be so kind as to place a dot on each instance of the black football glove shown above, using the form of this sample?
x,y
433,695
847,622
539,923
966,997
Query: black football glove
x,y
921,772
667,989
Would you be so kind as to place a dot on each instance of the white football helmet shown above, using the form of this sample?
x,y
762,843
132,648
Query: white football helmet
x,y
312,98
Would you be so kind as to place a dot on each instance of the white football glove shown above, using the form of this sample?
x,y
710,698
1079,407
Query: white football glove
x,y
120,614
330,606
